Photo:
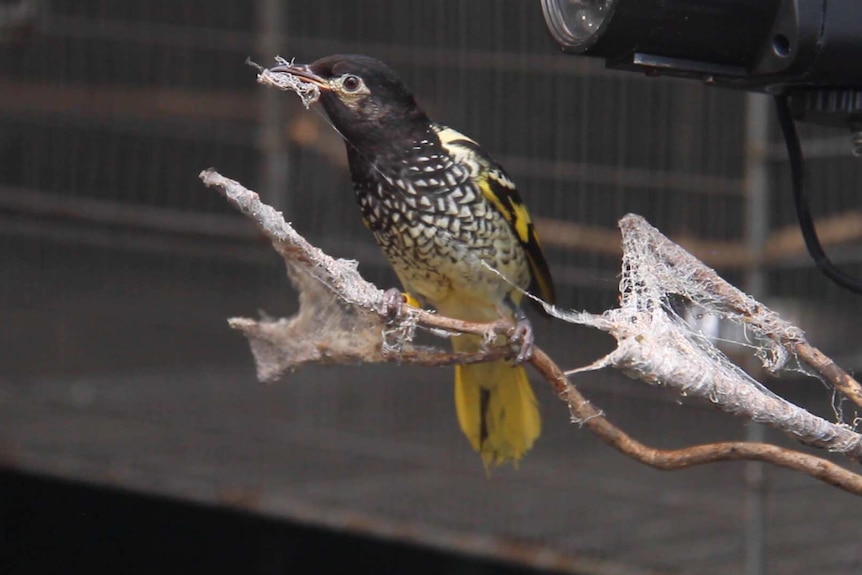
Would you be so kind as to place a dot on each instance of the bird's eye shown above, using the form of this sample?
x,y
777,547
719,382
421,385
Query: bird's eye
x,y
351,83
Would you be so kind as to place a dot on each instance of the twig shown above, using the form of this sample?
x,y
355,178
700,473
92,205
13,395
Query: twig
x,y
828,369
667,459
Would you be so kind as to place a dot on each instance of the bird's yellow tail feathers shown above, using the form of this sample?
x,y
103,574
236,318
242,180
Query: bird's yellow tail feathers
x,y
496,406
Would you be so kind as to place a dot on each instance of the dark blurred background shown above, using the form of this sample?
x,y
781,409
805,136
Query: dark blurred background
x,y
118,270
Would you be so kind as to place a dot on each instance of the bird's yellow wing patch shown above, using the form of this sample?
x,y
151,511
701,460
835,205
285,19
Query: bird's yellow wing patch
x,y
515,213
507,201
501,192
447,135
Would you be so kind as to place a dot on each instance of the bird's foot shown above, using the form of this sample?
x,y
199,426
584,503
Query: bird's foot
x,y
523,335
523,332
393,299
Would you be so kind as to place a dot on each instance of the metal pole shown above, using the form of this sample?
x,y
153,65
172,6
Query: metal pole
x,y
272,142
757,233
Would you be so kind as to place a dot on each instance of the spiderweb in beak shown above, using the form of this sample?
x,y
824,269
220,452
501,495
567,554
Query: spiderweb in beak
x,y
308,92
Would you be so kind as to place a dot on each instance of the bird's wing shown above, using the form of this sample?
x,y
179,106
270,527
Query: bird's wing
x,y
502,193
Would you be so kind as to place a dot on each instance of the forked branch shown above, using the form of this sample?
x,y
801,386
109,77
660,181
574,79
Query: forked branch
x,y
345,319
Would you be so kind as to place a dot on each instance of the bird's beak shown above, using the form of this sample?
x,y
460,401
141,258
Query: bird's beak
x,y
304,73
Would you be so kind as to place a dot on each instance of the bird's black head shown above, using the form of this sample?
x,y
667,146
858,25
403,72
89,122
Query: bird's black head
x,y
365,99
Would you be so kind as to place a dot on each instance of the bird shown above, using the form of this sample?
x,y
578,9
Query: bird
x,y
454,228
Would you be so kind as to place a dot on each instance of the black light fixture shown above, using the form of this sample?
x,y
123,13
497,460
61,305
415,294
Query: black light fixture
x,y
806,53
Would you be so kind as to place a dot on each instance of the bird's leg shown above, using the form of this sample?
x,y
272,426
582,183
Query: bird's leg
x,y
523,333
393,299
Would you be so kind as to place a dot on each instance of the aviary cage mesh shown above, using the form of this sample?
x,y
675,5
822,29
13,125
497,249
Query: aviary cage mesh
x,y
119,268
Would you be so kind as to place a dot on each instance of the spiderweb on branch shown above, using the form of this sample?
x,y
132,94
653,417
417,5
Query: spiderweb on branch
x,y
657,345
344,319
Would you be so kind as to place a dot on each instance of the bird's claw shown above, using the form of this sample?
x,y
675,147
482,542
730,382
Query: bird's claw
x,y
523,335
393,299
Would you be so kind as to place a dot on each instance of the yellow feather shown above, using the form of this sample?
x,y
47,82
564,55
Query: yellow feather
x,y
518,216
515,212
496,407
522,221
410,300
489,194
447,135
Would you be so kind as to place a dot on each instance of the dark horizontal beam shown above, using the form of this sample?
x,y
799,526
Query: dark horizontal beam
x,y
129,215
109,101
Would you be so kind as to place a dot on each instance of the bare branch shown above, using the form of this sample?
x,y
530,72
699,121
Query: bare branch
x,y
584,413
344,319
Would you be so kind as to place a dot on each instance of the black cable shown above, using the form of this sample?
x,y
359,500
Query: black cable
x,y
803,213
